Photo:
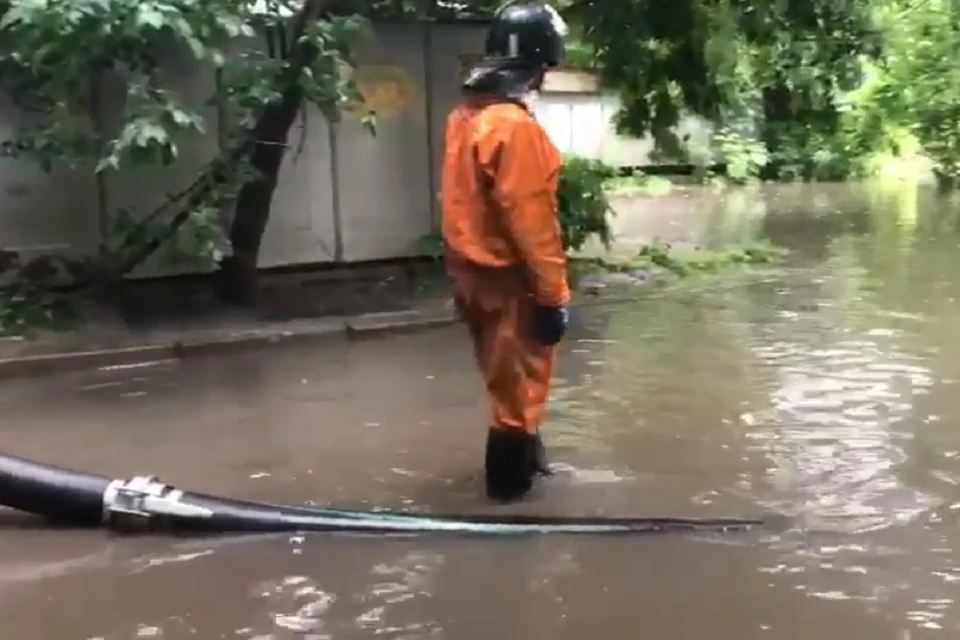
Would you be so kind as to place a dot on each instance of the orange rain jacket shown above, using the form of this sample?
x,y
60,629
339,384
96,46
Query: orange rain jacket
x,y
498,195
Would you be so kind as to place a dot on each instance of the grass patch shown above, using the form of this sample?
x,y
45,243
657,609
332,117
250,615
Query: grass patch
x,y
696,260
22,310
683,262
638,183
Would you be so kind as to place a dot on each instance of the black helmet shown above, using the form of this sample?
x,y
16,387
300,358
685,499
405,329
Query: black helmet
x,y
527,32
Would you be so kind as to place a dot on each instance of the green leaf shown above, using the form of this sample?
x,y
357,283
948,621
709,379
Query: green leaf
x,y
196,47
148,15
109,162
15,13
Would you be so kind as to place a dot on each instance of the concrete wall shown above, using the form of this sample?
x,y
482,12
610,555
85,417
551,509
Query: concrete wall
x,y
579,118
40,213
344,195
141,190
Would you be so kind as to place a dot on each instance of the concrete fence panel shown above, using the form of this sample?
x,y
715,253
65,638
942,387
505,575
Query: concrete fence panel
x,y
41,213
343,195
383,181
140,190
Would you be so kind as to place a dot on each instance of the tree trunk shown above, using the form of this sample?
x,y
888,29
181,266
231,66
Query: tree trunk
x,y
238,273
237,280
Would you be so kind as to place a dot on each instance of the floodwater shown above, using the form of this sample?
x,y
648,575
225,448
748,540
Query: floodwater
x,y
823,392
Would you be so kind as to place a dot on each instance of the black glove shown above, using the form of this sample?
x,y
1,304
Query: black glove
x,y
550,323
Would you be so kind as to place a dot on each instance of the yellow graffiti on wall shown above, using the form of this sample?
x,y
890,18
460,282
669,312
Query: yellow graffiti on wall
x,y
388,91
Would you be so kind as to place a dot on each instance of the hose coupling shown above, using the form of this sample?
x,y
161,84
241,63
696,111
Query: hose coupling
x,y
142,500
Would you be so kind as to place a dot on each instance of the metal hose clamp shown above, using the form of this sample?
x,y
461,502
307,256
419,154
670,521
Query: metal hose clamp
x,y
142,499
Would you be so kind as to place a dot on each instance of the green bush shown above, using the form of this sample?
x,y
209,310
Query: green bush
x,y
431,244
23,309
583,207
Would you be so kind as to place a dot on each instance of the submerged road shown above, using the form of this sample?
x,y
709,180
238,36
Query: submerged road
x,y
825,392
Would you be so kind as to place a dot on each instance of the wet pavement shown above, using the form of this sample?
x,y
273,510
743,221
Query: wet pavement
x,y
822,392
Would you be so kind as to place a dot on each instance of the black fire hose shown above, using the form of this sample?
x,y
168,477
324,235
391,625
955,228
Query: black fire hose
x,y
146,503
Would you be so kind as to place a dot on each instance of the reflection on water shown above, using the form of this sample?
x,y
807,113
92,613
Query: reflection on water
x,y
821,391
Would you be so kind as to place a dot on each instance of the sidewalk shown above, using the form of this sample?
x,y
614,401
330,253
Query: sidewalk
x,y
164,320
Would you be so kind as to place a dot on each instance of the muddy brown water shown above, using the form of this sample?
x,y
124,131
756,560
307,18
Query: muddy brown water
x,y
823,392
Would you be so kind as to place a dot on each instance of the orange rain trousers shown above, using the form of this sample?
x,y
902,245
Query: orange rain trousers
x,y
504,249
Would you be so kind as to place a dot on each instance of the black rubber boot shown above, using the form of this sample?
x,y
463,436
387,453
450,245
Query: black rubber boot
x,y
540,463
510,464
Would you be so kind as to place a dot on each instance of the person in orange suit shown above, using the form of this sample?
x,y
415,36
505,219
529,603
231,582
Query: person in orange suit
x,y
503,247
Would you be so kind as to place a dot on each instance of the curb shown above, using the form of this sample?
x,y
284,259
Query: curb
x,y
223,342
